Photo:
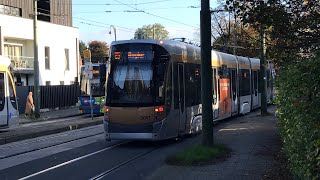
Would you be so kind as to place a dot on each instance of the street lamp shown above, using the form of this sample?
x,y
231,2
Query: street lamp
x,y
114,30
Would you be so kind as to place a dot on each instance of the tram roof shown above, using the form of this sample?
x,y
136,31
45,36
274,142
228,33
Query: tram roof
x,y
4,61
169,45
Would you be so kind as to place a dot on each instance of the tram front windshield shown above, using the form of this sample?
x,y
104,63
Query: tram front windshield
x,y
132,80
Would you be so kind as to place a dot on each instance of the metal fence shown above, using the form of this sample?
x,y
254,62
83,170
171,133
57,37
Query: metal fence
x,y
50,96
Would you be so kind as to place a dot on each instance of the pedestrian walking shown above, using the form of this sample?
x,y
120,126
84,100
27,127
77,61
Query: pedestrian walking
x,y
29,106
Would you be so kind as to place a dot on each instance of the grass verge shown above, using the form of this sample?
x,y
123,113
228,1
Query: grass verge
x,y
199,155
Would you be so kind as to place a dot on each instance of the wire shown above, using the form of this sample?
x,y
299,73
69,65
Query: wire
x,y
110,4
141,10
88,20
156,15
121,29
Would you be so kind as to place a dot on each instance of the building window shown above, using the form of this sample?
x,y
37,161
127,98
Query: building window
x,y
48,83
8,10
14,52
66,59
61,82
47,57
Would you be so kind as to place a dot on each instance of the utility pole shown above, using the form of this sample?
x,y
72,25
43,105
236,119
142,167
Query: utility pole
x,y
262,76
206,74
36,61
115,32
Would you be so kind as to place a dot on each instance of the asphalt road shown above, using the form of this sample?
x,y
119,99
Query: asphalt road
x,y
83,154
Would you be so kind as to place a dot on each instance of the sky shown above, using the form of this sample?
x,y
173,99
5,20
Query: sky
x,y
95,18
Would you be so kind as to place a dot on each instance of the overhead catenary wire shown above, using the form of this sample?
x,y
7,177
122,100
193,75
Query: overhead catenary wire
x,y
90,24
111,4
92,21
156,15
141,10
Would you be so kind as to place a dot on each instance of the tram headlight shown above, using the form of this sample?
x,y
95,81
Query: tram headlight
x,y
106,109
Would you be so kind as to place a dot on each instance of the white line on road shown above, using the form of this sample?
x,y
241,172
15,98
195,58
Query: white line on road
x,y
71,161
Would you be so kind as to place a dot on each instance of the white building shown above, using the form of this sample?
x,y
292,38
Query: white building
x,y
57,46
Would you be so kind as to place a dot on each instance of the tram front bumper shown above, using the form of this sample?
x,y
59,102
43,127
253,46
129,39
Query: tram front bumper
x,y
152,134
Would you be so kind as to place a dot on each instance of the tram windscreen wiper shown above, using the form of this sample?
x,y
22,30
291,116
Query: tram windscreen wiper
x,y
142,96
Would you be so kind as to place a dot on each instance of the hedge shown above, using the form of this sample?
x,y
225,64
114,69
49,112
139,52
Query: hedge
x,y
298,100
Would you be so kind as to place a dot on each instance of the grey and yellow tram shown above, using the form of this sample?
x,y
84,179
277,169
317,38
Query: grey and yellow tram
x,y
153,89
8,102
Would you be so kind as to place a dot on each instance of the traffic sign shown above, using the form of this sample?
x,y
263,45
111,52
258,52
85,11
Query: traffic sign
x,y
89,75
88,66
87,55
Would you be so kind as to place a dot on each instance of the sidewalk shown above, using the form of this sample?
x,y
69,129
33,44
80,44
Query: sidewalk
x,y
253,140
50,115
50,122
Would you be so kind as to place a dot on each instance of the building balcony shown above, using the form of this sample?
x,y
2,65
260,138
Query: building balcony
x,y
22,64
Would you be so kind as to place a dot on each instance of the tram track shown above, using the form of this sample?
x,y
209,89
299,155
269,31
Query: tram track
x,y
105,173
71,161
48,146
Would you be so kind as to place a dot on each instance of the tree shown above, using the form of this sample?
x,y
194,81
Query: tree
x,y
240,40
99,51
147,31
82,47
292,25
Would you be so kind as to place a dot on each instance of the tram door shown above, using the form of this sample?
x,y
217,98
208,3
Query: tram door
x,y
3,103
255,97
234,92
182,106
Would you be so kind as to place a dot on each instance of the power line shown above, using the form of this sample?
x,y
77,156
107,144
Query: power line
x,y
88,20
121,29
156,15
141,10
110,4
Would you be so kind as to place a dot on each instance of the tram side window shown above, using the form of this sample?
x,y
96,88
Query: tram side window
x,y
2,90
169,89
259,88
268,78
255,79
159,82
12,95
214,85
244,82
175,86
193,84
233,83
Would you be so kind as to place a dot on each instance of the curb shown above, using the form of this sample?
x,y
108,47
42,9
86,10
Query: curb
x,y
48,132
50,118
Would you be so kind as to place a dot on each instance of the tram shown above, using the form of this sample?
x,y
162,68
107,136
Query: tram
x,y
8,102
153,89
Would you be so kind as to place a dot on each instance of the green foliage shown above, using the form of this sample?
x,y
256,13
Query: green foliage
x,y
198,155
244,41
82,47
99,51
146,32
292,25
298,98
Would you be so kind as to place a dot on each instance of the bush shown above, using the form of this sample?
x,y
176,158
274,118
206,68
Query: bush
x,y
298,112
198,155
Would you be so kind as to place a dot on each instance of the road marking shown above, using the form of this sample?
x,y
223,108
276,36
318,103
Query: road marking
x,y
71,161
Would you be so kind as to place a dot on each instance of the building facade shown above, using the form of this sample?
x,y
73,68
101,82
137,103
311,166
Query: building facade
x,y
57,41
